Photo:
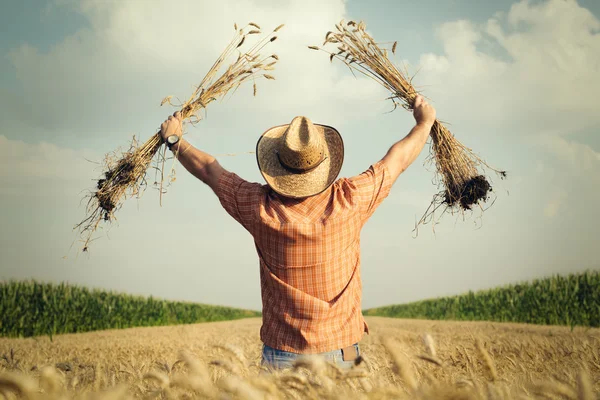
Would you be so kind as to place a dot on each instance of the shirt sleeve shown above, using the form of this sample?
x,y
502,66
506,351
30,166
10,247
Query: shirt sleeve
x,y
370,188
241,199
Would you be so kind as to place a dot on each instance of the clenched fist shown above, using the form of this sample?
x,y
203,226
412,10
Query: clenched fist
x,y
423,112
171,126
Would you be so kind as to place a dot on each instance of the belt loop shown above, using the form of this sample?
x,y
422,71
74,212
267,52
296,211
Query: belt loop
x,y
349,353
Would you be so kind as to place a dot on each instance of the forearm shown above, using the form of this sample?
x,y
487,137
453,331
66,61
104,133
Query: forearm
x,y
404,152
197,162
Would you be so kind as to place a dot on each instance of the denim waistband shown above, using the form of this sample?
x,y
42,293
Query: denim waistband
x,y
274,350
280,359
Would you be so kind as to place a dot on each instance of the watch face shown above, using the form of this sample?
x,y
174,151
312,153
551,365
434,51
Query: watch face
x,y
173,139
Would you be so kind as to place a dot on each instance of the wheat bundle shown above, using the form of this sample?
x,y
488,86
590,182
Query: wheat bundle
x,y
461,171
126,172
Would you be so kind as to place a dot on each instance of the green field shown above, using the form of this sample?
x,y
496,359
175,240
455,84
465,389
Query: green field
x,y
33,309
572,300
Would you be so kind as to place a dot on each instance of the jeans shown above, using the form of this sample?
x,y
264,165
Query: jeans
x,y
279,359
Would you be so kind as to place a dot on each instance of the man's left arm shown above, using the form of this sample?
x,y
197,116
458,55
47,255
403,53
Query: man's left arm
x,y
198,163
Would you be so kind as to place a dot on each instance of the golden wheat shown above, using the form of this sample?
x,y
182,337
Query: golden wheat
x,y
126,173
222,360
459,170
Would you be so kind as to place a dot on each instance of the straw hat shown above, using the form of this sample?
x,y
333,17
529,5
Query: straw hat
x,y
300,159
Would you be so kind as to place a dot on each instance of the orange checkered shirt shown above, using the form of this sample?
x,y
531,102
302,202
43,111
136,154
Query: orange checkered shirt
x,y
309,253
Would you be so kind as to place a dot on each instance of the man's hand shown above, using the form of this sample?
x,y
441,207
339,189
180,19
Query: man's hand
x,y
423,112
171,126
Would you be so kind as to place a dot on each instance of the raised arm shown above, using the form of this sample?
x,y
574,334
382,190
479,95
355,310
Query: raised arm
x,y
405,152
200,164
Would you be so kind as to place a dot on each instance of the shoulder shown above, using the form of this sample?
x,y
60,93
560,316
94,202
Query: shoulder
x,y
230,182
368,189
240,198
376,172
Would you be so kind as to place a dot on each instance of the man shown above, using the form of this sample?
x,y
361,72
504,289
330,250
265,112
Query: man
x,y
306,228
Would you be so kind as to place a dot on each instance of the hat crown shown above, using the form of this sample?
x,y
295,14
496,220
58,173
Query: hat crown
x,y
302,145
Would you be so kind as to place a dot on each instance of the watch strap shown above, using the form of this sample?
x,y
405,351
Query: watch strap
x,y
169,144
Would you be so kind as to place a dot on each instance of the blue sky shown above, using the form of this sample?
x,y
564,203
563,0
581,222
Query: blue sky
x,y
517,81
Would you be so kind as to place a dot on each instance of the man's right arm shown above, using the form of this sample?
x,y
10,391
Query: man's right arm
x,y
403,153
198,163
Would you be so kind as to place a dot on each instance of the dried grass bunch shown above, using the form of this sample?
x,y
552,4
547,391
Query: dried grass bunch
x,y
461,171
126,172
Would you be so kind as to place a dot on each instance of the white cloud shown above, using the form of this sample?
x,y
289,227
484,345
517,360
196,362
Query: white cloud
x,y
21,160
555,202
42,170
530,79
569,181
531,75
540,70
577,157
132,55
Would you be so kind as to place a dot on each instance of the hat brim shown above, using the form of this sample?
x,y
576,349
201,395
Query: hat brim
x,y
299,185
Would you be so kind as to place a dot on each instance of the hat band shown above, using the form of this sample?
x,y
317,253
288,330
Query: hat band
x,y
298,170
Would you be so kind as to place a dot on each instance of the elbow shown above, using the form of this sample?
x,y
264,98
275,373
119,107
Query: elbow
x,y
209,172
402,167
403,164
201,171
204,173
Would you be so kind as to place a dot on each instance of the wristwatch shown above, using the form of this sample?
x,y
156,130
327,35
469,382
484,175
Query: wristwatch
x,y
171,140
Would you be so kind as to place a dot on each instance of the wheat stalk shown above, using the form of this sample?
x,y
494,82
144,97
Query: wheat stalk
x,y
461,171
126,173
311,377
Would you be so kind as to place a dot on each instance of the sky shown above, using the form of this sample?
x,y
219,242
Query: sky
x,y
517,82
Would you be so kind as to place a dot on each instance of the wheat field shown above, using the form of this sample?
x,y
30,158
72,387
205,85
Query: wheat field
x,y
221,360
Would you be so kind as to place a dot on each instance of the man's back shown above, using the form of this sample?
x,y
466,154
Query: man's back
x,y
309,249
309,252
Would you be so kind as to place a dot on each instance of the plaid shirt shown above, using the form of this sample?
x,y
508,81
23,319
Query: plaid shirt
x,y
309,253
